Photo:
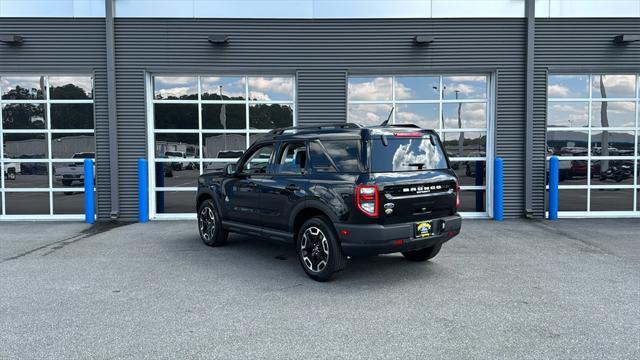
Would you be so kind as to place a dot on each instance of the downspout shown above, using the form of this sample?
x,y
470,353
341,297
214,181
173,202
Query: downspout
x,y
113,120
530,13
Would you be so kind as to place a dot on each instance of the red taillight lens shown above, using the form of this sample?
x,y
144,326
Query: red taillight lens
x,y
367,199
457,196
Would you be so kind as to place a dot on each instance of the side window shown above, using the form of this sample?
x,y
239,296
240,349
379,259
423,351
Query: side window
x,y
293,159
258,161
344,153
319,160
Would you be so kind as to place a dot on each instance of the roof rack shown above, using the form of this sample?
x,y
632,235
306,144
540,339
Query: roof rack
x,y
280,131
404,125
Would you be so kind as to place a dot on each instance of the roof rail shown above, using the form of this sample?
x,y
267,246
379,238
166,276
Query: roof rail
x,y
405,125
280,131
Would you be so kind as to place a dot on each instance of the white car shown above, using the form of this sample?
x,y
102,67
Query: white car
x,y
180,165
74,172
11,169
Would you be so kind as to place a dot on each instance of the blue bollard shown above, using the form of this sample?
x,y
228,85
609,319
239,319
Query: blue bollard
x,y
143,191
89,206
554,179
479,168
160,170
498,169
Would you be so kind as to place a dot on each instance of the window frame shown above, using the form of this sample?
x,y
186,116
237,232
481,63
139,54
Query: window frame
x,y
441,101
254,151
591,159
251,135
282,147
53,188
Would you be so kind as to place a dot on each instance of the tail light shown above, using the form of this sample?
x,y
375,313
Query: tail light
x,y
367,199
457,196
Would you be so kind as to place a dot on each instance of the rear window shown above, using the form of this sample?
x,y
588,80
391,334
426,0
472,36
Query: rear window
x,y
406,154
345,154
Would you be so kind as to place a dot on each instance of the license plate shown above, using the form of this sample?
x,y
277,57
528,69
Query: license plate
x,y
424,229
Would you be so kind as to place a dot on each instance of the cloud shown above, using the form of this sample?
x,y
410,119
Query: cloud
x,y
176,91
175,80
369,114
558,90
403,92
271,88
427,155
377,89
615,85
466,78
232,87
570,108
472,115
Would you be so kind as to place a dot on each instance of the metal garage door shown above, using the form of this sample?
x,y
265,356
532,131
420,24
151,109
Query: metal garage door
x,y
198,123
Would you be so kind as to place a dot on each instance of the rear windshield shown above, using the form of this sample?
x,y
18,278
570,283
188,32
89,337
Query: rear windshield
x,y
406,154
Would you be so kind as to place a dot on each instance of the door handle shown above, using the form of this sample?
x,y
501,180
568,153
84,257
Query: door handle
x,y
292,187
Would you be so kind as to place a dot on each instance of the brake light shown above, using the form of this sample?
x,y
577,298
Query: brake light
x,y
414,134
457,196
367,199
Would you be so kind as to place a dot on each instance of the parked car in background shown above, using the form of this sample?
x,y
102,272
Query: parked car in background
x,y
225,154
334,191
68,173
186,162
11,169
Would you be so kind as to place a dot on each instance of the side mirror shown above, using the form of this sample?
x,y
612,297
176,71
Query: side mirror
x,y
230,169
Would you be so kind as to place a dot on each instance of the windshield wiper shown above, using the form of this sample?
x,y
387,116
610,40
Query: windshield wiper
x,y
419,165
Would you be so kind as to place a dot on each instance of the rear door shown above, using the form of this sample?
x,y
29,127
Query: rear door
x,y
285,184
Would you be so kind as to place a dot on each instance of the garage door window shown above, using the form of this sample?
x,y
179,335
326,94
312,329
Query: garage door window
x,y
457,107
46,132
201,123
592,126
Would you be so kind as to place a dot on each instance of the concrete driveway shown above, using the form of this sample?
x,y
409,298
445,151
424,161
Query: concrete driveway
x,y
519,289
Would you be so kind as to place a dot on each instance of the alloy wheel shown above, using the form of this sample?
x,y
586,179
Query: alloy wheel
x,y
207,223
314,249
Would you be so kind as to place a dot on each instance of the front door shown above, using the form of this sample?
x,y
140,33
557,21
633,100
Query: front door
x,y
242,193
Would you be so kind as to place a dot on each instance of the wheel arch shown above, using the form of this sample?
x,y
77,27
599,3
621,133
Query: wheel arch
x,y
306,211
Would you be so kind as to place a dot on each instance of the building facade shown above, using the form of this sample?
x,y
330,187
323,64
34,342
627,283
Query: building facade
x,y
189,84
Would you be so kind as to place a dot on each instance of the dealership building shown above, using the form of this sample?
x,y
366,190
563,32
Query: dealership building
x,y
188,84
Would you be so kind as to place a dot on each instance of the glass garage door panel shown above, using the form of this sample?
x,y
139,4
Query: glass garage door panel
x,y
46,132
202,123
457,107
593,128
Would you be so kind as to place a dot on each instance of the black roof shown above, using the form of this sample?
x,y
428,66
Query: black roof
x,y
337,130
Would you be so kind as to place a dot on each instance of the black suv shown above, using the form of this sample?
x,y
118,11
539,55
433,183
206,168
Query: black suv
x,y
335,191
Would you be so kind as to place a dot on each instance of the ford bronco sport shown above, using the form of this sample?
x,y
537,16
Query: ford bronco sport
x,y
335,191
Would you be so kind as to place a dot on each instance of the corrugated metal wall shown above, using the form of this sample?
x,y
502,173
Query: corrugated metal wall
x,y
69,46
321,53
575,45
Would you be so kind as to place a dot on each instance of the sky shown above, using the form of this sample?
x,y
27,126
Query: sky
x,y
322,8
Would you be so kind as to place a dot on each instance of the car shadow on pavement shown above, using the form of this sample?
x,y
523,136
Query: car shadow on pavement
x,y
262,258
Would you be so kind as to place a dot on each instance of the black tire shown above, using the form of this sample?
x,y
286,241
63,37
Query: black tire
x,y
319,252
67,182
422,254
210,226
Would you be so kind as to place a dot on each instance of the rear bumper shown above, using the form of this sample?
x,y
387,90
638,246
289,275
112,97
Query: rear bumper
x,y
372,239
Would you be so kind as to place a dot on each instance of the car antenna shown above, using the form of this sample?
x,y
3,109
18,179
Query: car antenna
x,y
384,123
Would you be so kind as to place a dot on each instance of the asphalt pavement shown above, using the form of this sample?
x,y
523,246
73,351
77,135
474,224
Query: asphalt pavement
x,y
514,290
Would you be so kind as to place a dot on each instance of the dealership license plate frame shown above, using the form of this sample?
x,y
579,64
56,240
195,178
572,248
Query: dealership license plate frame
x,y
418,232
